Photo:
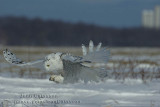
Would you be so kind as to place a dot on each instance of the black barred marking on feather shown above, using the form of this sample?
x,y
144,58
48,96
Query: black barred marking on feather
x,y
10,57
88,61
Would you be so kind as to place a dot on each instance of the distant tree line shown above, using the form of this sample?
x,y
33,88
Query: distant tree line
x,y
37,32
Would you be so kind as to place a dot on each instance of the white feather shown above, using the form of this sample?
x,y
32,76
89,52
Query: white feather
x,y
84,50
98,46
91,46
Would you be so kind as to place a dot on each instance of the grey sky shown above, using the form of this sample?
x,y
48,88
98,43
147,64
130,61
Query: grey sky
x,y
114,13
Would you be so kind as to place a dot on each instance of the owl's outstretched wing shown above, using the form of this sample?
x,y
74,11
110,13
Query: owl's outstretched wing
x,y
11,58
77,68
98,55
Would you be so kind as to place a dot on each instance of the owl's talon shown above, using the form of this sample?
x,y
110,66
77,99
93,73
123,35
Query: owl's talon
x,y
56,78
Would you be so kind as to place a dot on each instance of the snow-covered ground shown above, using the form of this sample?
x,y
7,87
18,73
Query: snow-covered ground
x,y
18,92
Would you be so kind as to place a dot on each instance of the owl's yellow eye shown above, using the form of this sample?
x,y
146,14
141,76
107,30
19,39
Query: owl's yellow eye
x,y
48,65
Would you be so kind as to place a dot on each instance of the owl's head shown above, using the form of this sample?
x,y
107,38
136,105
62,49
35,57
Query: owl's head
x,y
53,62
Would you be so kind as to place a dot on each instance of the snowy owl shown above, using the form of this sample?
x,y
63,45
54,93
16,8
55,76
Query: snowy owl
x,y
68,68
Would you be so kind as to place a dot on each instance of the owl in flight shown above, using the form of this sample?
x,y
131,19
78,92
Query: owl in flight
x,y
69,68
